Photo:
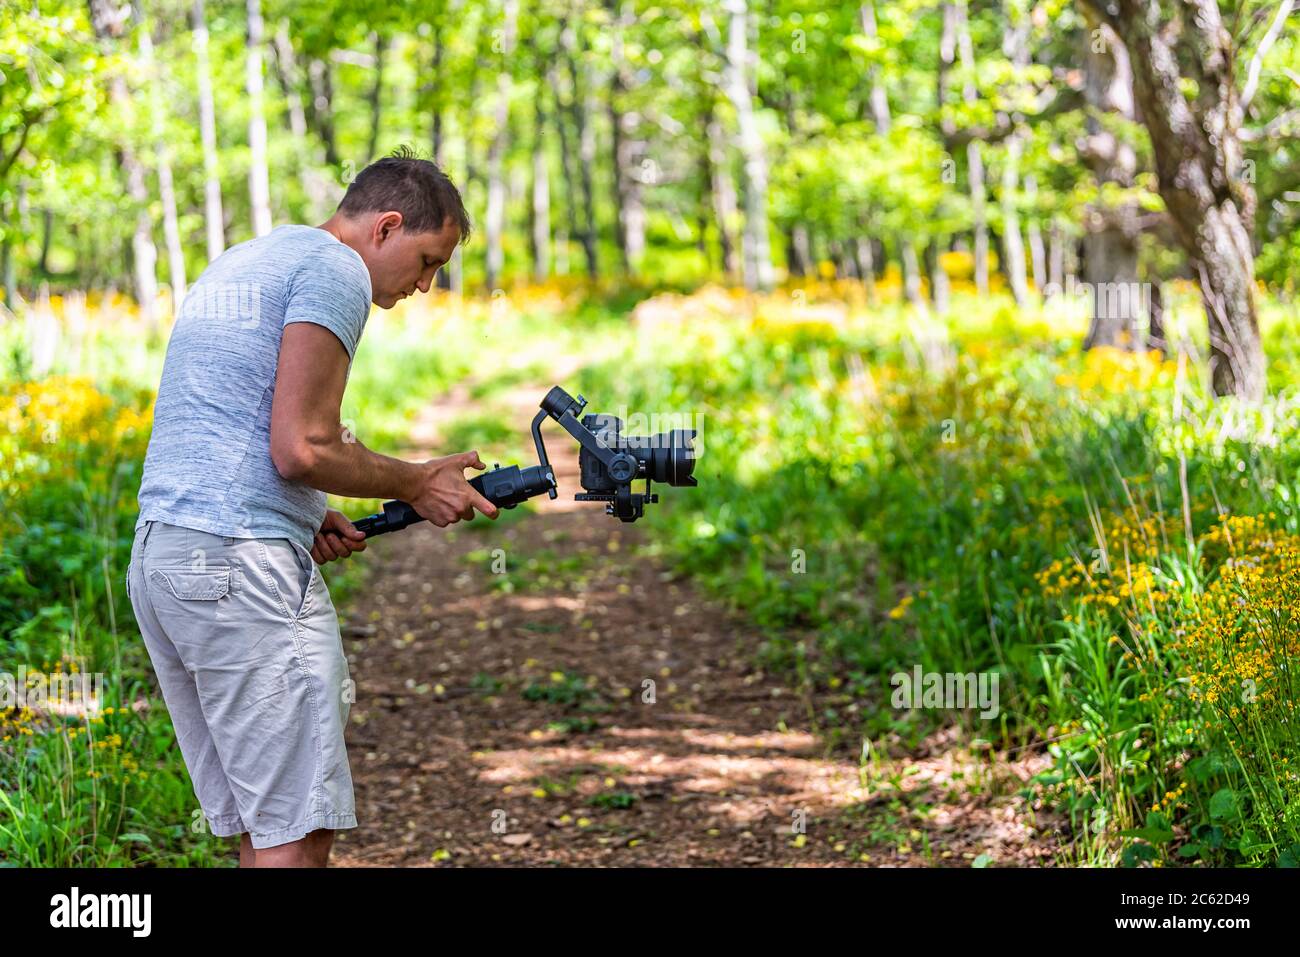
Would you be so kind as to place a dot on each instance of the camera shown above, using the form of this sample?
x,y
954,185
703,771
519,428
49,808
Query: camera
x,y
608,463
666,457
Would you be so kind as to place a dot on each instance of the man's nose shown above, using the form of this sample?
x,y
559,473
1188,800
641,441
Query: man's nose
x,y
424,284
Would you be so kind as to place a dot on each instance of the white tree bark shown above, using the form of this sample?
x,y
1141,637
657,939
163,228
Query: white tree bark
x,y
496,198
757,258
213,215
259,180
166,186
974,158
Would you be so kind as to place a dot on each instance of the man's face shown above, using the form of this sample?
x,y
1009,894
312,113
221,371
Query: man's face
x,y
400,262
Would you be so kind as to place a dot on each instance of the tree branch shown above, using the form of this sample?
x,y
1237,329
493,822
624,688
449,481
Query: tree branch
x,y
1265,44
1275,126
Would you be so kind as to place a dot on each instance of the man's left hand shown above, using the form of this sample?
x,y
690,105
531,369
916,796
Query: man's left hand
x,y
337,538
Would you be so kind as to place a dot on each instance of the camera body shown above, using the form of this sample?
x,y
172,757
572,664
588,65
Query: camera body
x,y
666,457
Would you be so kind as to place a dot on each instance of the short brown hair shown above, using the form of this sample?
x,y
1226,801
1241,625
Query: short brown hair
x,y
411,185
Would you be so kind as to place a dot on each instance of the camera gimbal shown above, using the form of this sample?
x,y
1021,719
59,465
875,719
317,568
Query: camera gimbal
x,y
608,464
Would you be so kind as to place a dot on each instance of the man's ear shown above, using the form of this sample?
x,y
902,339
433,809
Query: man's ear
x,y
385,225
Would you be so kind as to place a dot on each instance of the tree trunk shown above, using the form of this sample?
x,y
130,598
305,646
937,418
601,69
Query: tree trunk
x,y
628,146
259,180
166,186
320,107
448,275
569,228
1156,331
1110,242
106,18
213,215
939,285
579,109
1197,149
867,267
1015,44
8,261
1013,247
800,253
47,229
756,256
1055,259
723,189
877,95
376,96
496,204
912,277
541,196
1037,251
974,159
1110,272
286,71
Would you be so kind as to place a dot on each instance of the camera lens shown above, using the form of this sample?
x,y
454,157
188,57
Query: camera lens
x,y
669,457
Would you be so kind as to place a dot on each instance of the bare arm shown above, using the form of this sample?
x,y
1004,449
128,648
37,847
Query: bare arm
x,y
308,444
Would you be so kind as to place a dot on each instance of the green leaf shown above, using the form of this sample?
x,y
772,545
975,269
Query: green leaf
x,y
1153,835
1223,804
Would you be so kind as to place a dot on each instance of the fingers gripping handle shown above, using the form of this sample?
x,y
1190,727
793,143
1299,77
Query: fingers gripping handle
x,y
503,487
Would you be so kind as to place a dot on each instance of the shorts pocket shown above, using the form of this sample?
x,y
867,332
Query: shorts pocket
x,y
190,585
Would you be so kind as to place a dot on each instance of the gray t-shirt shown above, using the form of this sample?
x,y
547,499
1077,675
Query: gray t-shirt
x,y
209,461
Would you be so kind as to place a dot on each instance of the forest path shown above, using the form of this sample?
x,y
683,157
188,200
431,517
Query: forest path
x,y
502,717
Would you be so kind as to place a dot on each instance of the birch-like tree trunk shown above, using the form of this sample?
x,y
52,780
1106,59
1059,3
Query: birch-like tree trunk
x,y
162,153
723,190
1037,251
1015,45
629,149
756,252
879,100
106,20
974,155
496,198
259,179
306,153
1110,240
213,215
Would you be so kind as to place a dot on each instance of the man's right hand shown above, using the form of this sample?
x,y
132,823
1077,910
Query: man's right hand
x,y
445,496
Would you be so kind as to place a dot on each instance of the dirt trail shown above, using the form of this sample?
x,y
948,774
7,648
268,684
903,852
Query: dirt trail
x,y
502,715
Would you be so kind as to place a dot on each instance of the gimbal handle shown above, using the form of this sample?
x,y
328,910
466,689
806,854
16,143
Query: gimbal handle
x,y
506,487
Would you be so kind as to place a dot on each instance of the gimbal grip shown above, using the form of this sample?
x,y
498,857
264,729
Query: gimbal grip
x,y
503,487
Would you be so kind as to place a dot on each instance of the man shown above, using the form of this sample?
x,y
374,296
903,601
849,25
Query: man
x,y
246,441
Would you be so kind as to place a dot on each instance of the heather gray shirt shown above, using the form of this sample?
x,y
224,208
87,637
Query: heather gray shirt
x,y
209,461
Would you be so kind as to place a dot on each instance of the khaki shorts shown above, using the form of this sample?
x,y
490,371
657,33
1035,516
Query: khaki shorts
x,y
245,643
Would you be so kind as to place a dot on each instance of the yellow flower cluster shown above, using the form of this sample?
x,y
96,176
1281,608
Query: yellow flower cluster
x,y
63,429
1124,571
899,610
1115,371
16,721
1242,642
1172,799
45,411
